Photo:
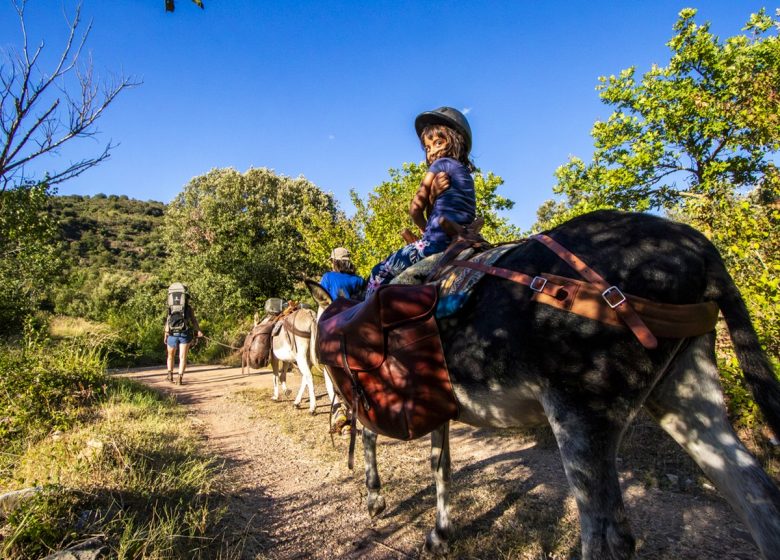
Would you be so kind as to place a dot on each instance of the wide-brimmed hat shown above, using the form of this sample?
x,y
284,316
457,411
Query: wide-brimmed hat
x,y
339,254
448,117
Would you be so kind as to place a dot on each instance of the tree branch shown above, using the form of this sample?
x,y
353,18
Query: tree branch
x,y
63,116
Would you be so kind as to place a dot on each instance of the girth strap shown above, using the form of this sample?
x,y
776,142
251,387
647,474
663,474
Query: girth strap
x,y
357,392
611,294
289,325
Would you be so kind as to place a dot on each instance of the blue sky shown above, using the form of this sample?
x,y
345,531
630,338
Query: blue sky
x,y
329,90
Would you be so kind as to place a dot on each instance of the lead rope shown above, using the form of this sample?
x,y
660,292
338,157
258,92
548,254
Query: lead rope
x,y
218,343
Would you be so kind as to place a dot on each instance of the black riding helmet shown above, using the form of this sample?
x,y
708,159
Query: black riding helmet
x,y
448,117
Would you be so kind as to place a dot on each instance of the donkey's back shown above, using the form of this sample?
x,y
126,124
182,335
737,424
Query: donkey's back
x,y
514,361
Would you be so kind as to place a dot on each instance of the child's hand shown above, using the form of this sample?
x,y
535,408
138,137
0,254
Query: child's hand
x,y
408,236
441,182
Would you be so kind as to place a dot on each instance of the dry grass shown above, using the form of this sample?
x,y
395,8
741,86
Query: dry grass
x,y
72,327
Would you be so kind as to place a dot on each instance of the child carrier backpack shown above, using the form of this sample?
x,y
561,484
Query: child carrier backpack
x,y
274,305
177,308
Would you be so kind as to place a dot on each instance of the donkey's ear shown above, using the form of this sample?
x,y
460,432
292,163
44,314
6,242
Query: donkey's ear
x,y
320,294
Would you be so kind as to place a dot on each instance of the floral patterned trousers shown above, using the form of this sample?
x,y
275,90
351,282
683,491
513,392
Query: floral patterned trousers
x,y
399,261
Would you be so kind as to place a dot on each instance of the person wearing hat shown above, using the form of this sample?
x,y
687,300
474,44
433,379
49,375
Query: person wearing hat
x,y
446,191
342,281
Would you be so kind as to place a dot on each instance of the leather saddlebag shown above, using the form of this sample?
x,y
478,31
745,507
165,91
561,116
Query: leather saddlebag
x,y
259,346
387,361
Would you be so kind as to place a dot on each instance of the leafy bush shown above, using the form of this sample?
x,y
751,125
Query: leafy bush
x,y
30,259
45,385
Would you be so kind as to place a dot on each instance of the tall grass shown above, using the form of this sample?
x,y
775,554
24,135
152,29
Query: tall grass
x,y
111,458
46,386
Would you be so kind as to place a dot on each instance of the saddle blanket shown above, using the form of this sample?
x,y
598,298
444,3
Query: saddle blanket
x,y
457,283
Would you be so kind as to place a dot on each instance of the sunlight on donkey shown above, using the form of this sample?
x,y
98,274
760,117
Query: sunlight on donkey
x,y
524,362
290,345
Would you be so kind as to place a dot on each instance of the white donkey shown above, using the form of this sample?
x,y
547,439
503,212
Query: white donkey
x,y
292,344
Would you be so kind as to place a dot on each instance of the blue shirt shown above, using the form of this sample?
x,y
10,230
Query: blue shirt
x,y
341,284
458,203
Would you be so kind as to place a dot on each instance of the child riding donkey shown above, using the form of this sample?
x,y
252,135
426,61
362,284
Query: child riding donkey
x,y
446,192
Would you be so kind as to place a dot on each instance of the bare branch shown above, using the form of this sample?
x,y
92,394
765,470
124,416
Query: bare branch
x,y
39,112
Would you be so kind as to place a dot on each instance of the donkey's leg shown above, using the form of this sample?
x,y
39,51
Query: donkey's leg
x,y
301,389
275,366
688,404
328,385
588,445
307,379
438,539
283,376
376,502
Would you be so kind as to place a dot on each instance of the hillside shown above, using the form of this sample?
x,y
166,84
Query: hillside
x,y
110,231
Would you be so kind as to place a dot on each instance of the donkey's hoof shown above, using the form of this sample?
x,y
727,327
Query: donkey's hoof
x,y
376,505
275,399
435,544
287,392
313,412
297,405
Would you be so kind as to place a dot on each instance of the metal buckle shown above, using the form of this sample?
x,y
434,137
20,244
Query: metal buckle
x,y
613,296
538,283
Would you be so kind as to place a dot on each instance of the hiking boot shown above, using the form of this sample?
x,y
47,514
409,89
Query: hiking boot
x,y
181,379
170,376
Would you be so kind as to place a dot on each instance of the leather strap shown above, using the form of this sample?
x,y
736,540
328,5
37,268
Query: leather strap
x,y
611,294
536,283
289,324
463,237
355,389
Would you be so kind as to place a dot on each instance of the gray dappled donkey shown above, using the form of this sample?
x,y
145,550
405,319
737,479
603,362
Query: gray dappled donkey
x,y
523,363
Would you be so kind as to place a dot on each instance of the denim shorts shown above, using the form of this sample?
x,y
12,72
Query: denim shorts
x,y
175,339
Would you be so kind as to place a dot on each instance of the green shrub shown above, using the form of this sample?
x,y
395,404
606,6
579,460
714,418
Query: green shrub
x,y
45,385
40,524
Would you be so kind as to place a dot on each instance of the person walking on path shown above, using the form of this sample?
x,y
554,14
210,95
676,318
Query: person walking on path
x,y
342,281
180,327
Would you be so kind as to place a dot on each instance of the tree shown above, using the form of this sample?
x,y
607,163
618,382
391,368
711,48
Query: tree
x,y
709,120
380,218
28,258
235,238
39,114
170,5
322,229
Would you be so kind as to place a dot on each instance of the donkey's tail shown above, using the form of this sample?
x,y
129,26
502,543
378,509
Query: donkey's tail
x,y
755,365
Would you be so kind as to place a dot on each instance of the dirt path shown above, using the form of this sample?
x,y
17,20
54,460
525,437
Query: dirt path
x,y
289,500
